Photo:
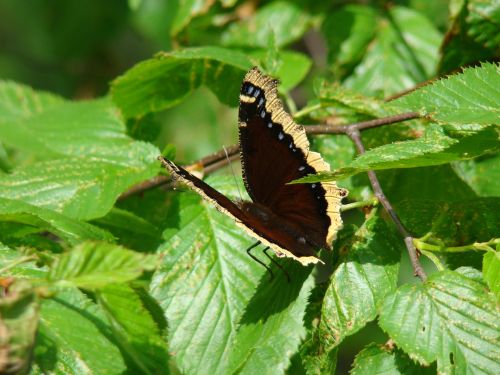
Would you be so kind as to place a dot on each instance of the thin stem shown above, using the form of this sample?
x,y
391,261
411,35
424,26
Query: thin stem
x,y
306,110
476,246
355,135
17,262
365,203
434,259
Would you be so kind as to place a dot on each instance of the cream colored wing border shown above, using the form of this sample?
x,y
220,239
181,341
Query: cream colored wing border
x,y
178,175
333,194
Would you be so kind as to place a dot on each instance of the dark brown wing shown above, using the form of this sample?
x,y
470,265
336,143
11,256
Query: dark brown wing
x,y
275,151
257,220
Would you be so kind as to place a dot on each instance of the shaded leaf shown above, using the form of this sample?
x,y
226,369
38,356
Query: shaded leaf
x,y
400,56
206,277
95,265
482,175
133,231
469,97
272,327
360,283
165,80
453,320
455,223
484,22
471,35
134,328
375,359
280,21
348,32
74,338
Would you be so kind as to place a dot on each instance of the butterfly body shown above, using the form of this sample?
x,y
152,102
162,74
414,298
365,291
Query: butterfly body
x,y
295,220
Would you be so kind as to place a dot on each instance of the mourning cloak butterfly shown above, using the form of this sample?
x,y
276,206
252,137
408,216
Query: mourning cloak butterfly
x,y
293,220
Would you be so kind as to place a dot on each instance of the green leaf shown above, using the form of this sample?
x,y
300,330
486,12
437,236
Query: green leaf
x,y
437,183
359,284
491,271
292,67
206,277
94,127
95,265
455,223
470,97
73,338
400,56
348,32
83,188
166,79
464,43
133,231
272,327
134,328
484,22
282,21
18,325
68,229
186,11
19,101
433,148
376,359
449,318
482,175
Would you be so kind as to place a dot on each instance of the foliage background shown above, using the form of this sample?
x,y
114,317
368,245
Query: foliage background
x,y
99,285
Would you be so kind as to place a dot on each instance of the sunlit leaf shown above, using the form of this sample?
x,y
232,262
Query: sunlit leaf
x,y
205,281
95,265
453,320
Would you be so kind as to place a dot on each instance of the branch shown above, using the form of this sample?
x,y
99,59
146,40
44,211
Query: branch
x,y
355,135
219,159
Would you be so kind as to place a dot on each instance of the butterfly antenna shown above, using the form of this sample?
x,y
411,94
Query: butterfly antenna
x,y
258,260
234,175
277,264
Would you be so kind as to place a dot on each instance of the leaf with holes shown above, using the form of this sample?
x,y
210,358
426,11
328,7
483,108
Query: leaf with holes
x,y
454,320
361,281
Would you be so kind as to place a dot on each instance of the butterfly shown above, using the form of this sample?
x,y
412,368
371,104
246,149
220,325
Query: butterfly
x,y
294,220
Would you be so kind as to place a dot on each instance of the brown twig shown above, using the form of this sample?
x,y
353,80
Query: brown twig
x,y
218,159
355,135
223,157
342,129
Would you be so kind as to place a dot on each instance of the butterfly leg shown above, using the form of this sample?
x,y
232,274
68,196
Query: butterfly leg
x,y
277,264
258,260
